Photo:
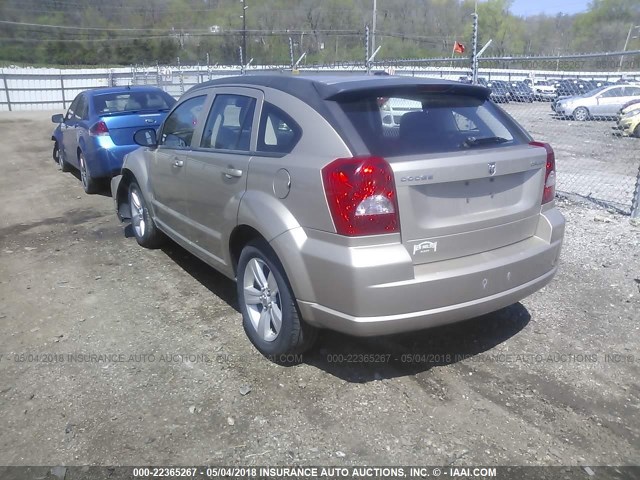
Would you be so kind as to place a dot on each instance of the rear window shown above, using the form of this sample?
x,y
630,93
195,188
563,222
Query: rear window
x,y
132,101
430,123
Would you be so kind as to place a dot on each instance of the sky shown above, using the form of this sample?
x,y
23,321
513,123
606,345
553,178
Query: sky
x,y
549,7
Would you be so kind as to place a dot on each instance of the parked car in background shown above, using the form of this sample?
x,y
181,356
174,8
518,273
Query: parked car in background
x,y
627,107
328,217
520,92
97,131
603,102
573,87
544,90
499,92
629,123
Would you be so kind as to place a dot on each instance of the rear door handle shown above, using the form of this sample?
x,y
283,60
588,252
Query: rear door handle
x,y
232,172
178,163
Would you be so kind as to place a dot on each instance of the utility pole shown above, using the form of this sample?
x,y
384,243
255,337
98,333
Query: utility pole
x,y
366,47
291,52
474,47
244,30
373,29
627,43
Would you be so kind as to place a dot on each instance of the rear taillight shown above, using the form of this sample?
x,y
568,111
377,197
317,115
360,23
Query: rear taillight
x,y
549,191
99,128
361,194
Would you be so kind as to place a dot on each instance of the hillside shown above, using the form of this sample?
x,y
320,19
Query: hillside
x,y
122,32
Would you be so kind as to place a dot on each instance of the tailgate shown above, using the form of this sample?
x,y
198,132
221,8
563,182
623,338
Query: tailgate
x,y
462,203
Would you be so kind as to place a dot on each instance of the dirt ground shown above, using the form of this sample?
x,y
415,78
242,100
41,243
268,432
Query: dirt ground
x,y
111,354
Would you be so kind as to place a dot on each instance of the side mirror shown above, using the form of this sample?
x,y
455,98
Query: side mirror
x,y
57,118
146,137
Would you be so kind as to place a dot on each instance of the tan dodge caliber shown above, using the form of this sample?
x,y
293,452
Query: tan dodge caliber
x,y
329,213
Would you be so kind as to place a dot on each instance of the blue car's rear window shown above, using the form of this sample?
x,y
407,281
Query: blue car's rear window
x,y
107,103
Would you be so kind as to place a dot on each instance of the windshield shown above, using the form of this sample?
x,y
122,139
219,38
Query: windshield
x,y
429,123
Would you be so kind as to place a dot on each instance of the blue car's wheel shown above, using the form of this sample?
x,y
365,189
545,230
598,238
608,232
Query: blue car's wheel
x,y
89,183
58,157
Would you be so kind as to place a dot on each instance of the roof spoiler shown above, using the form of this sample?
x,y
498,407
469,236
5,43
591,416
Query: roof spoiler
x,y
388,89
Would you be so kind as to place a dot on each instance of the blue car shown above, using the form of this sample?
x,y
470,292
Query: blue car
x,y
97,130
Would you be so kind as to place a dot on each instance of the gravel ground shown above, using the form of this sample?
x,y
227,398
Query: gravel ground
x,y
113,354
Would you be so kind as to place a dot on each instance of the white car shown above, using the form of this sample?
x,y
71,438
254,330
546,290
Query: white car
x,y
544,90
601,102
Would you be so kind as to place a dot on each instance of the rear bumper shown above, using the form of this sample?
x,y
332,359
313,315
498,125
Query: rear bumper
x,y
388,324
104,158
376,290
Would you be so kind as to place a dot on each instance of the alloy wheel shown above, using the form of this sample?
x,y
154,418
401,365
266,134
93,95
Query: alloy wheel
x,y
137,214
262,299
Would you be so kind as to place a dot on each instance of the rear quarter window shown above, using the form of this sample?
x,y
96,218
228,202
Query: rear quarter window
x,y
424,123
278,132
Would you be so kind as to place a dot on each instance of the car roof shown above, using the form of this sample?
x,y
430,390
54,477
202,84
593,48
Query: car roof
x,y
131,88
332,87
314,90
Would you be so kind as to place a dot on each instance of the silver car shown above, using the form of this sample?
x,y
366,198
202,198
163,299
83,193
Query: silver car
x,y
327,217
601,102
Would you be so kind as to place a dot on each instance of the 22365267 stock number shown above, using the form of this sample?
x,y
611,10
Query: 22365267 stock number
x,y
164,472
359,358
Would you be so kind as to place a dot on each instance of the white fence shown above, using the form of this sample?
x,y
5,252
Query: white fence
x,y
54,89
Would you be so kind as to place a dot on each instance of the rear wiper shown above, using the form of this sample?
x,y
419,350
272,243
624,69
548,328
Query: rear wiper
x,y
474,142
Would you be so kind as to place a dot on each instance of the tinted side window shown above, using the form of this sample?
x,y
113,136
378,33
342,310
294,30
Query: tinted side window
x,y
229,124
181,123
278,132
73,108
614,92
82,110
631,91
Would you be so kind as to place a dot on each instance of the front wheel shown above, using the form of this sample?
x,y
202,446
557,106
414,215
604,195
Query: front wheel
x,y
269,311
581,114
636,131
144,228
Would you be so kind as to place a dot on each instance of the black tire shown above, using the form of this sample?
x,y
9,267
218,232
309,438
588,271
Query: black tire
x,y
294,336
581,114
146,233
636,131
58,157
90,184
